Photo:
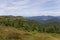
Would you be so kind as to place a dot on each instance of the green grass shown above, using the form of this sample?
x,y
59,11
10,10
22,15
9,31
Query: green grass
x,y
10,33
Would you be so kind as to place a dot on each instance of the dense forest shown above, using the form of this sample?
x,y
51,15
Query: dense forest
x,y
22,23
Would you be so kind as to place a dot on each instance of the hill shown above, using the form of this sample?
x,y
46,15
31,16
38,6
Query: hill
x,y
44,19
24,24
19,22
11,33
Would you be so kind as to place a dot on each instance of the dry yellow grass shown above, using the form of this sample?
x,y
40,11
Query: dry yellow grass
x,y
10,33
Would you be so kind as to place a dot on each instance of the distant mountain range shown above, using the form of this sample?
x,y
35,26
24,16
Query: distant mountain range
x,y
45,19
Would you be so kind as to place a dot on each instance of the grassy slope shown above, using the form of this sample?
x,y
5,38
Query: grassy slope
x,y
10,33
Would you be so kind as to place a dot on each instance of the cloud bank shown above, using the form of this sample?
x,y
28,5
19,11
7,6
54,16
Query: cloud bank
x,y
30,7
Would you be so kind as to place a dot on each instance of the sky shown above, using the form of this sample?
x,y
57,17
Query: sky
x,y
30,7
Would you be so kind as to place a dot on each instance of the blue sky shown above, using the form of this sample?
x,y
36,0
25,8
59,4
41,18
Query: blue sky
x,y
30,7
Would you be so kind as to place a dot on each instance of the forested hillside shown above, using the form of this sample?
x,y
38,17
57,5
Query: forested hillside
x,y
22,23
19,23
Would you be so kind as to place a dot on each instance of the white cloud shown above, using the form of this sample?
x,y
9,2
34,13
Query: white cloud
x,y
30,7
